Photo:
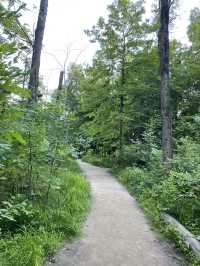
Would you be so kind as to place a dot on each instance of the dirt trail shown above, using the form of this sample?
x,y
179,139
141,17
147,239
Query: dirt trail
x,y
116,232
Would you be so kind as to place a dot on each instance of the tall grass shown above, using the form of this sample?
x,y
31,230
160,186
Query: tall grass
x,y
58,219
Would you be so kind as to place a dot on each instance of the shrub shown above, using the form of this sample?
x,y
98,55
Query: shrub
x,y
187,157
15,213
133,155
135,178
177,194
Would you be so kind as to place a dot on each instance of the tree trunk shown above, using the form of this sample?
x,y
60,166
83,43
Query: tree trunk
x,y
37,49
30,167
61,78
164,85
60,84
122,110
123,80
121,131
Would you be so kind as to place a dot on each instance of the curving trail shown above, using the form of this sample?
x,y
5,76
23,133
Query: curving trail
x,y
116,232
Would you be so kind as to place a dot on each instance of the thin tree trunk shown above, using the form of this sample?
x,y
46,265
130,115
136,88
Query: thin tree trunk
x,y
30,167
164,85
37,49
61,79
25,72
60,84
123,80
122,111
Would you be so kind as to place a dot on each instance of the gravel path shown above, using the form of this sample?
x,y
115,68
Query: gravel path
x,y
116,232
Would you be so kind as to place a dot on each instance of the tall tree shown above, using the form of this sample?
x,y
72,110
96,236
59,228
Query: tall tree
x,y
164,84
194,28
120,38
37,49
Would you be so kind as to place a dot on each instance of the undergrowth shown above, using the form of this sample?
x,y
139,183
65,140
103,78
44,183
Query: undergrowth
x,y
50,221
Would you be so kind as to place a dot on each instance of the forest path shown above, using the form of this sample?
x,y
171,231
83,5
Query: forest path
x,y
116,232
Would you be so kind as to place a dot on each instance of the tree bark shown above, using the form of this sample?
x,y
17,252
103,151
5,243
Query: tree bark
x,y
30,167
164,84
122,110
37,49
61,78
122,105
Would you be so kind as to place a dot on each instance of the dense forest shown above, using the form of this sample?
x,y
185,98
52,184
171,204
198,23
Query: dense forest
x,y
134,109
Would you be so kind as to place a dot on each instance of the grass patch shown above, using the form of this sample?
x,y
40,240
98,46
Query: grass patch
x,y
58,217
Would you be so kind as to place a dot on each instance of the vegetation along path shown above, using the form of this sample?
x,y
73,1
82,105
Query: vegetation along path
x,y
116,232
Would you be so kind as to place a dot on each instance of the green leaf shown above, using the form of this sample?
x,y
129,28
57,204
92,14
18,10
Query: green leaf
x,y
18,137
18,91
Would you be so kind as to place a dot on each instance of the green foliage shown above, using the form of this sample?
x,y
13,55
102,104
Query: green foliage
x,y
92,158
177,193
29,248
38,142
95,92
52,222
187,157
68,203
171,233
43,197
37,163
194,28
14,48
15,213
135,179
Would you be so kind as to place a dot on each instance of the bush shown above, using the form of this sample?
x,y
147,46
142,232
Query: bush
x,y
134,178
15,213
187,157
177,194
133,155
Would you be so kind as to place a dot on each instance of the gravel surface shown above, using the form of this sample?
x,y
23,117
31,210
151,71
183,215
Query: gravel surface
x,y
116,232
